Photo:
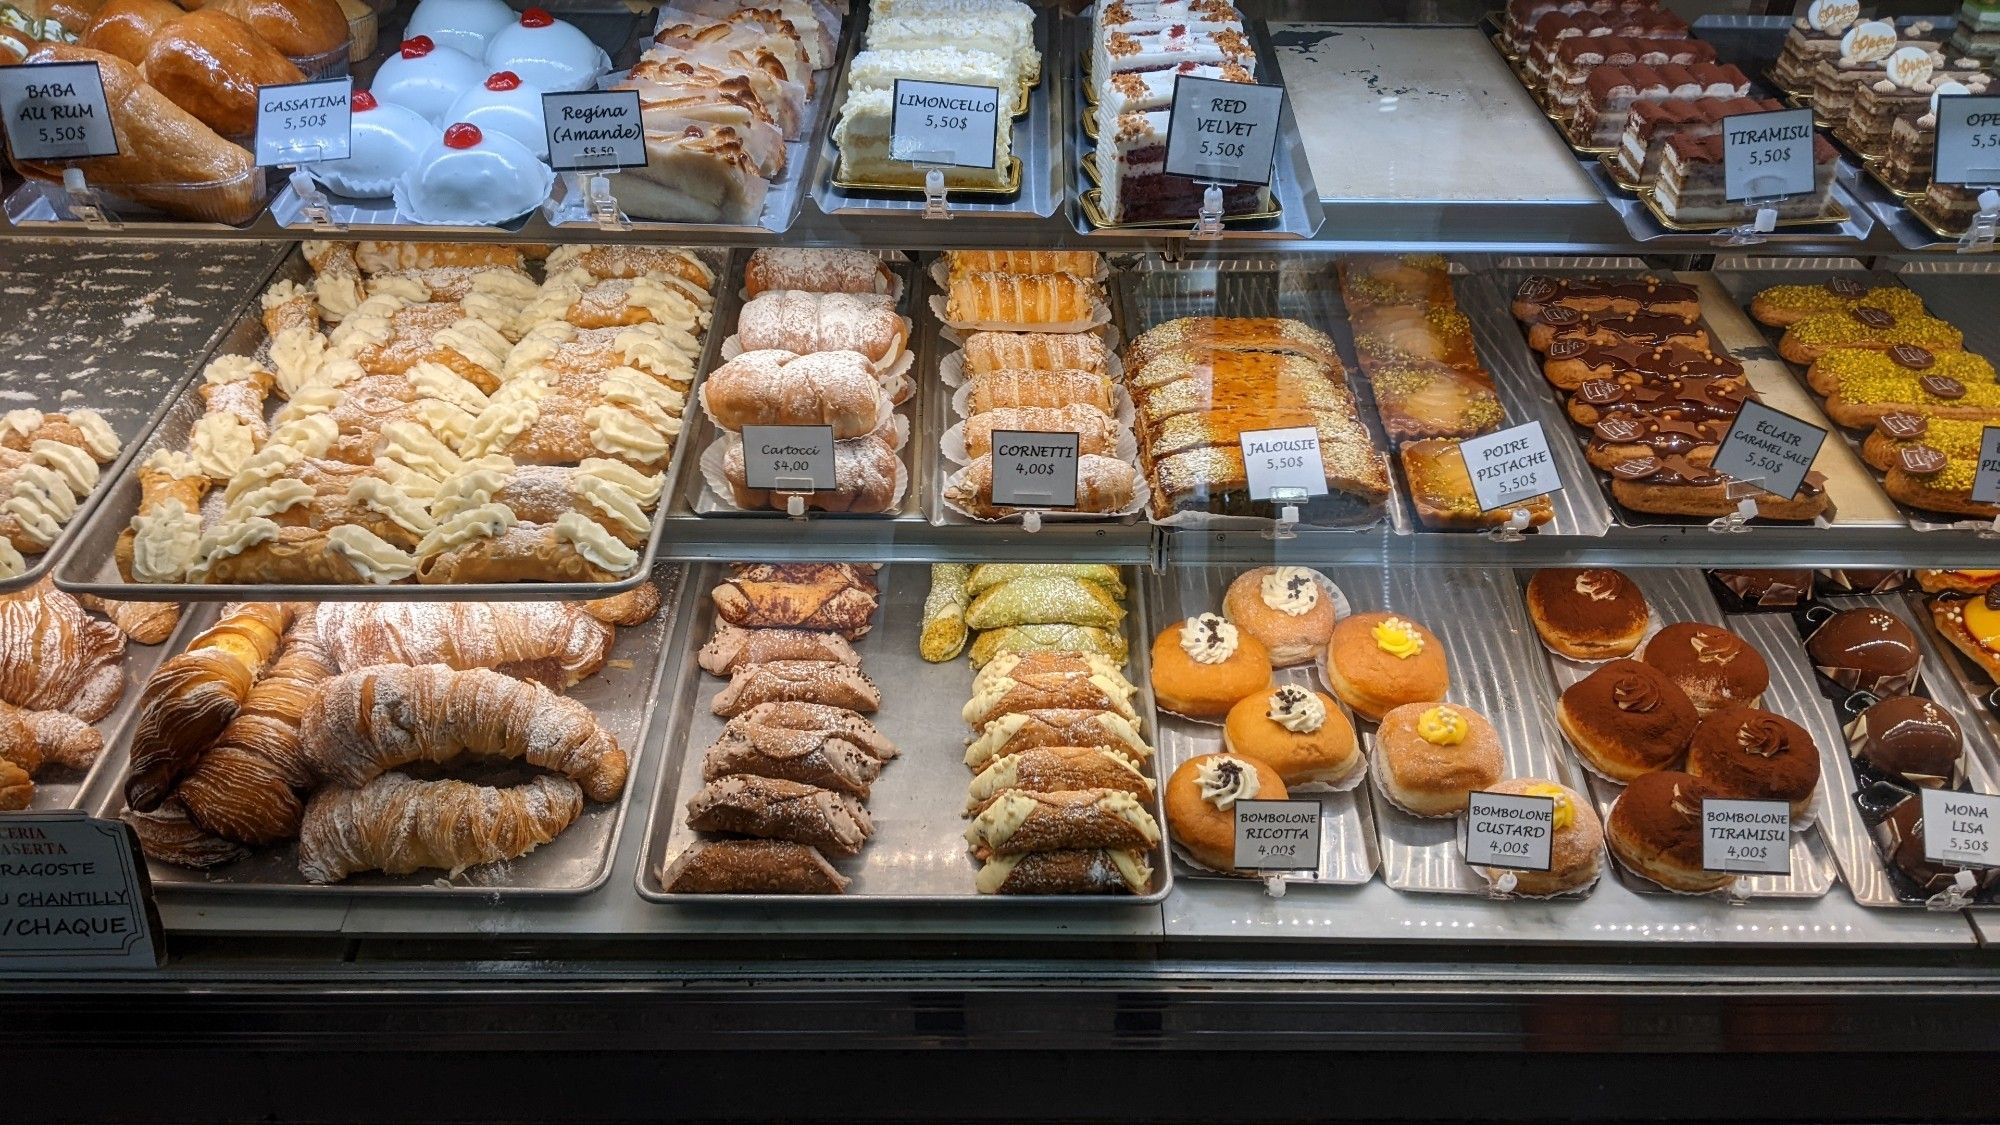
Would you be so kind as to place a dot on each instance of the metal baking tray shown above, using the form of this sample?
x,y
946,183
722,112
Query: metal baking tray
x,y
1037,147
1347,827
1981,695
625,696
1300,287
1477,615
58,788
701,432
1579,510
92,568
918,853
1744,278
1292,189
109,326
1683,595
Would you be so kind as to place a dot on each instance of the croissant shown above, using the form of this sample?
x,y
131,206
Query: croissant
x,y
169,835
552,643
1046,302
732,648
148,623
1036,351
56,657
32,739
245,788
992,390
363,723
777,388
398,825
797,681
805,323
191,699
830,601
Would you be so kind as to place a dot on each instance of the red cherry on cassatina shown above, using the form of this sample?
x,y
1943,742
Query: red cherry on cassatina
x,y
463,135
501,81
362,102
417,46
536,17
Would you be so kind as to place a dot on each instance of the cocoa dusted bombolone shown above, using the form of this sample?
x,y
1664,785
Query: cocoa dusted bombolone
x,y
1627,719
1753,754
1715,667
1655,830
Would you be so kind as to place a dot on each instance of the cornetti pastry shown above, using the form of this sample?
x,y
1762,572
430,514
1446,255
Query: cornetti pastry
x,y
1712,665
1376,662
1202,666
1286,608
384,141
1429,757
1655,830
1299,732
547,53
1754,754
1867,650
1594,614
1201,803
1910,738
471,178
1576,845
503,103
426,77
1627,719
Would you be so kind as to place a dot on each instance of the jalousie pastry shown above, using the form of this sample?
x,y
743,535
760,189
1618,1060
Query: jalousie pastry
x,y
1056,769
825,760
1197,335
1066,873
1029,730
731,648
829,597
1103,484
797,681
818,718
1019,821
751,867
767,807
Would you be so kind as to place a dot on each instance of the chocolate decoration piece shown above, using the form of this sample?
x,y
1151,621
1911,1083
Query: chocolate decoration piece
x,y
1618,430
1942,386
1922,459
1568,349
1903,425
1845,287
1600,392
1637,468
1992,597
1912,357
1873,317
1537,288
1560,315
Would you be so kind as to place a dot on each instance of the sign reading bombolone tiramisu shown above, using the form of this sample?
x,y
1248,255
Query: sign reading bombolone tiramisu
x,y
594,130
1033,469
1767,155
1223,131
946,123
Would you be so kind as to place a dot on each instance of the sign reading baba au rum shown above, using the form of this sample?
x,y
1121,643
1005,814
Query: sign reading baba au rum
x,y
56,111
946,123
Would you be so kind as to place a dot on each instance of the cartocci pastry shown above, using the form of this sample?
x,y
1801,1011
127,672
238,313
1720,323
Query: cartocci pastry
x,y
1201,803
817,271
804,323
833,388
1376,662
867,472
1203,665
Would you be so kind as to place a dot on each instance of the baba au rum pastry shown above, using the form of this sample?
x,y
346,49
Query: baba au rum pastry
x,y
1430,757
1376,662
1576,843
1655,831
1929,463
1627,719
1714,667
1782,306
1593,614
1753,754
1202,666
1441,489
1972,625
1201,803
1286,608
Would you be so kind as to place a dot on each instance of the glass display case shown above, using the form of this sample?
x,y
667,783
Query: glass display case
x,y
965,523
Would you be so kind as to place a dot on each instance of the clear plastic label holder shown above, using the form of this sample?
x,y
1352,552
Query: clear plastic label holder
x,y
1208,220
587,198
1288,500
1980,236
1031,518
1514,530
81,200
795,505
313,205
1744,492
1760,226
1958,896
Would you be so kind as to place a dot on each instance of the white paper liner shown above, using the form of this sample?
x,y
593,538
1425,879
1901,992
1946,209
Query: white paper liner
x,y
894,369
1142,495
406,210
951,369
1723,892
1122,409
952,445
718,482
941,273
1492,875
1100,317
884,398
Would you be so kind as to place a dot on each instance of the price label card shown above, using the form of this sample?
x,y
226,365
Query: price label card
x,y
1959,828
1277,835
946,123
1034,470
56,111
1509,830
594,131
1283,459
1510,466
1223,131
304,122
789,458
74,894
1968,140
1769,448
1986,482
1746,837
1767,155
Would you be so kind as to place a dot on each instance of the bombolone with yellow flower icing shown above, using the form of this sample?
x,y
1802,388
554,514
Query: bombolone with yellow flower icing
x,y
1430,757
1376,662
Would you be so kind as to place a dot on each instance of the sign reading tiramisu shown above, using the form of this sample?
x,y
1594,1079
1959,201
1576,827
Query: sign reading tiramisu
x,y
301,122
1968,140
1767,155
1769,448
56,111
945,123
1223,132
1510,466
1746,837
1986,481
1509,830
1283,459
594,130
73,894
1961,829
1034,470
789,458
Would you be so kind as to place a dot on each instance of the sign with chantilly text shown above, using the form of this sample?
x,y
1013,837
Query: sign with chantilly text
x,y
74,894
